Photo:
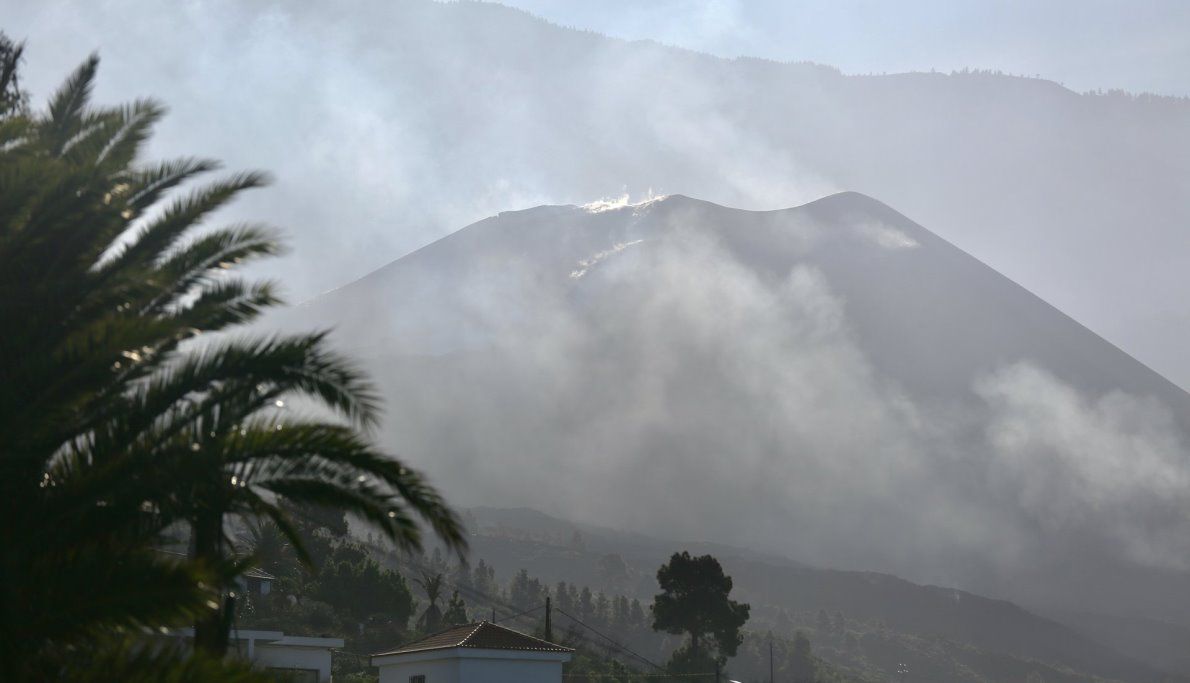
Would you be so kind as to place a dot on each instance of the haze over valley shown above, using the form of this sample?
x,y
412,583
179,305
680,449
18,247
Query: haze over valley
x,y
832,382
909,346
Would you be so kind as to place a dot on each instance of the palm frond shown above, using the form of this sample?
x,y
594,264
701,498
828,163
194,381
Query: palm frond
x,y
259,506
167,230
113,433
264,369
225,304
67,107
199,262
146,186
371,503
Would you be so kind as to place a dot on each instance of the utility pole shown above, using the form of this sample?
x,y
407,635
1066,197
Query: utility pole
x,y
549,631
771,678
717,679
493,615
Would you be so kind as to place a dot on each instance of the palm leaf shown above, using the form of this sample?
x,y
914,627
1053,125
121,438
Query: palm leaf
x,y
67,107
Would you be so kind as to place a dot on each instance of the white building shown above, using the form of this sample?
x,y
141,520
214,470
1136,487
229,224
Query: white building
x,y
256,582
474,653
302,659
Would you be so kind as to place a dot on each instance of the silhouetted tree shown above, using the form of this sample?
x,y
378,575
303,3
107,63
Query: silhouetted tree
x,y
525,591
461,575
637,613
586,605
562,597
353,582
268,546
602,609
456,611
431,619
116,428
485,578
12,98
801,660
694,601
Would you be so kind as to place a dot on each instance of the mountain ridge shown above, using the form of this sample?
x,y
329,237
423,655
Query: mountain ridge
x,y
888,401
923,610
844,201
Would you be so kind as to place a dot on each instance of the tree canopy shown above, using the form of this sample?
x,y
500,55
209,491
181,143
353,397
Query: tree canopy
x,y
694,601
125,416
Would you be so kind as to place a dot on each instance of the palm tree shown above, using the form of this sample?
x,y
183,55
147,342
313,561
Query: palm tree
x,y
431,619
120,419
11,95
267,547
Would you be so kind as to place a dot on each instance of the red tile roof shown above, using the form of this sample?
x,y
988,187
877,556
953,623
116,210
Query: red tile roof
x,y
482,635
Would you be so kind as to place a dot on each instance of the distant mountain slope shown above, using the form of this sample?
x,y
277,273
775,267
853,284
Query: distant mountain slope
x,y
831,382
1161,644
931,316
471,108
555,550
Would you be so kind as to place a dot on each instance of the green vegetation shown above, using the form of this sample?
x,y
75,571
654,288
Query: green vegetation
x,y
860,626
129,420
868,650
693,601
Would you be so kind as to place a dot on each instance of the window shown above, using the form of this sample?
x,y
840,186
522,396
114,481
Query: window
x,y
417,679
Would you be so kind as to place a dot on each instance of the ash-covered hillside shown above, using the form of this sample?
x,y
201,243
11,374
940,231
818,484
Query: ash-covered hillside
x,y
832,382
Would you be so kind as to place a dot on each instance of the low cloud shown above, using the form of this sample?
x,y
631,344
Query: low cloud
x,y
1111,467
675,390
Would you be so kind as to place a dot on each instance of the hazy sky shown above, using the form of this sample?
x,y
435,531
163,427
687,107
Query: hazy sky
x,y
1136,45
387,127
391,123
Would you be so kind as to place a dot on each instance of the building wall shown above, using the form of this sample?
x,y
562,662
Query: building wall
x,y
508,671
435,671
474,671
289,657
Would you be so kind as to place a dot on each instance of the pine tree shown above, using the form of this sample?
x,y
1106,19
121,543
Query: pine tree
x,y
456,611
620,612
562,597
602,609
801,661
694,601
485,578
525,592
461,575
586,605
638,614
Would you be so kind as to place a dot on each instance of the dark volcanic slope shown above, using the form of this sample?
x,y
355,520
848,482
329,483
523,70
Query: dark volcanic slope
x,y
928,314
832,382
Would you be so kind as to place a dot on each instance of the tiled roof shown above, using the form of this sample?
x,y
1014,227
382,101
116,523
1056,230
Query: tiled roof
x,y
482,635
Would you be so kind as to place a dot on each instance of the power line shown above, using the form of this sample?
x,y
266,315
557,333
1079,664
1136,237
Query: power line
x,y
611,644
610,650
471,592
519,614
611,640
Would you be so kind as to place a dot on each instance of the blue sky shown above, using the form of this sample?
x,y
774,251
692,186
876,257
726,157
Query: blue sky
x,y
1136,45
